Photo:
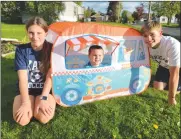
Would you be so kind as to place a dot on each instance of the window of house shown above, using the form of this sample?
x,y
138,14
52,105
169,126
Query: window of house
x,y
75,10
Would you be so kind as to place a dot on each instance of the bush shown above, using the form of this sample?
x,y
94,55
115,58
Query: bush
x,y
7,48
130,19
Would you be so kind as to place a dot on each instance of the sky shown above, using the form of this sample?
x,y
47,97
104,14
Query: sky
x,y
102,6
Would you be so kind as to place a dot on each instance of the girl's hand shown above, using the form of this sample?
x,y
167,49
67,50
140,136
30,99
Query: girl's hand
x,y
25,109
45,108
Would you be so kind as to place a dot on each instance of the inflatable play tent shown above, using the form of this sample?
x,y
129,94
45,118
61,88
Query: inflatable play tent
x,y
126,63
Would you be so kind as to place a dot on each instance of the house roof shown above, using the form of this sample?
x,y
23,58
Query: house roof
x,y
96,15
75,28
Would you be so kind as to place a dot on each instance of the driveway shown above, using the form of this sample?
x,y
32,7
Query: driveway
x,y
171,31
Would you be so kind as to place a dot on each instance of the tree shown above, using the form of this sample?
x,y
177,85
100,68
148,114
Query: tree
x,y
178,18
149,11
11,11
153,16
166,8
130,19
48,10
113,10
139,12
124,16
92,12
78,3
87,13
147,5
135,15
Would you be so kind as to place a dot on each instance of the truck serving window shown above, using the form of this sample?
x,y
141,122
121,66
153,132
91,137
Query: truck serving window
x,y
76,56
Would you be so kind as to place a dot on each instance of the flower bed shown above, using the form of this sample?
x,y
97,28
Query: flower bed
x,y
8,45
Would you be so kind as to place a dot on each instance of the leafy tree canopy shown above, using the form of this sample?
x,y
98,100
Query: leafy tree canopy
x,y
139,12
114,10
166,8
12,11
78,3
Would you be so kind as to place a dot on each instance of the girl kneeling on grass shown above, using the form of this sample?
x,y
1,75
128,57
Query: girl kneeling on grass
x,y
32,63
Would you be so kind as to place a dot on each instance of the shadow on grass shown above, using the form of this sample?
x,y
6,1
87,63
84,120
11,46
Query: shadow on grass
x,y
152,80
152,98
125,130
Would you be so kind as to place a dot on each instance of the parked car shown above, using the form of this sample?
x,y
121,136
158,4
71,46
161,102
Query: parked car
x,y
93,19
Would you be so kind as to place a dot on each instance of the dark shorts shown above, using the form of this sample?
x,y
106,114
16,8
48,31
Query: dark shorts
x,y
163,74
33,92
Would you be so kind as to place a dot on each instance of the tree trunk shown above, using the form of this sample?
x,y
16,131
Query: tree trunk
x,y
36,6
168,22
149,11
22,6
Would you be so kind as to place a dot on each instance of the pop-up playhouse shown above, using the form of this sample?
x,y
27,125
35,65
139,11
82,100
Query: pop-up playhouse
x,y
126,63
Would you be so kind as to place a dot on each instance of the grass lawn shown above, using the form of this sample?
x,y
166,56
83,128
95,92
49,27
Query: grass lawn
x,y
124,117
13,31
119,24
171,25
144,116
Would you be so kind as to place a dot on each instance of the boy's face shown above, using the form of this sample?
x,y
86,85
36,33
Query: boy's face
x,y
96,56
152,37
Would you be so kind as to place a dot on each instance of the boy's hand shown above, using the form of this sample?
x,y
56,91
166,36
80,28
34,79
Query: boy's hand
x,y
172,101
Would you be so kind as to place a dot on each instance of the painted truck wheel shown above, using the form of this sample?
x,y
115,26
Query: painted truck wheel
x,y
71,96
98,89
137,85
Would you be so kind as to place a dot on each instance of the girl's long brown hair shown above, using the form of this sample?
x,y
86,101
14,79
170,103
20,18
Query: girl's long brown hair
x,y
46,50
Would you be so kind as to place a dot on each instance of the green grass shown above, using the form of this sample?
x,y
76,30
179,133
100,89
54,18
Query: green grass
x,y
122,117
171,25
13,31
120,24
128,117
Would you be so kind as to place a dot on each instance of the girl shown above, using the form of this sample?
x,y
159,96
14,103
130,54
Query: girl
x,y
32,63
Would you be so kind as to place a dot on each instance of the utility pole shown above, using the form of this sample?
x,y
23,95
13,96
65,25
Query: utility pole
x,y
118,11
149,11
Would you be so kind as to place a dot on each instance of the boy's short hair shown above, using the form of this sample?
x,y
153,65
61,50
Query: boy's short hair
x,y
95,47
148,26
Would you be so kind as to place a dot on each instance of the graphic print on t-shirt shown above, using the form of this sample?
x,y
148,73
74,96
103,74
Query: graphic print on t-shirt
x,y
35,77
160,60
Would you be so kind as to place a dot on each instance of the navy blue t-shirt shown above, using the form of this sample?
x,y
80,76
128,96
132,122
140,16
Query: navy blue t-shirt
x,y
28,59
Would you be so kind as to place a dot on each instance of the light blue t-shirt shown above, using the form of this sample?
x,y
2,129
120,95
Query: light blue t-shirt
x,y
88,65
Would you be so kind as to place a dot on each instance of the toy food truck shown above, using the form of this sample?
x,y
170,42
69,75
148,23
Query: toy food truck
x,y
126,63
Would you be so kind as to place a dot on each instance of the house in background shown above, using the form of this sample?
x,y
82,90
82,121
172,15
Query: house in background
x,y
164,19
99,17
72,12
161,19
144,17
